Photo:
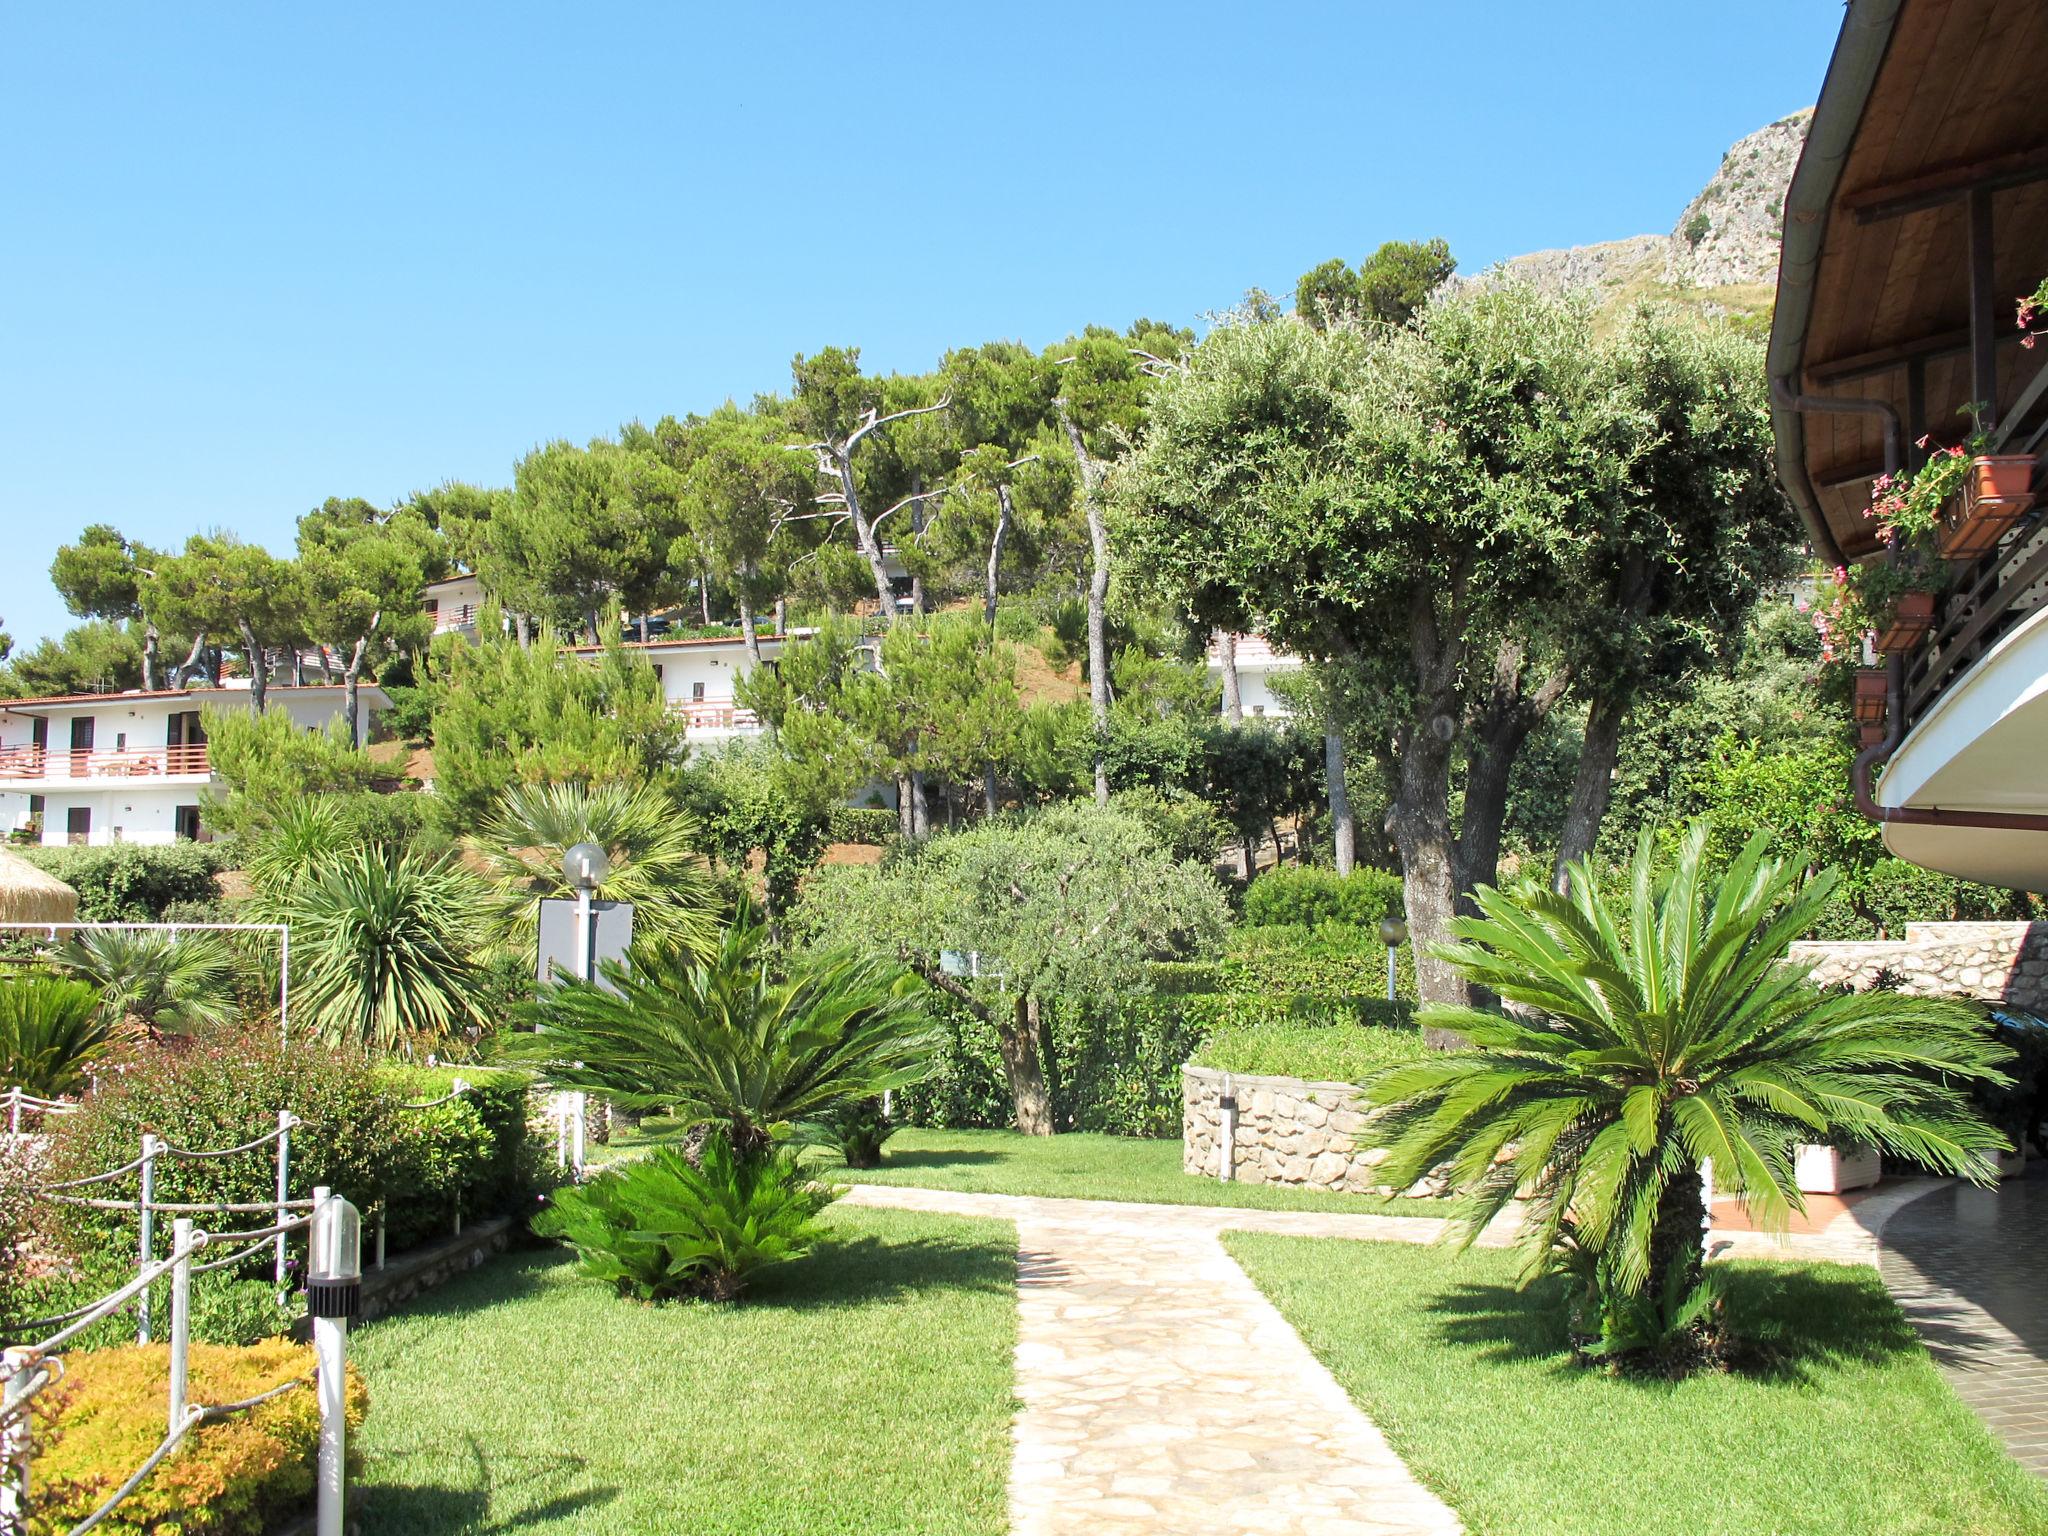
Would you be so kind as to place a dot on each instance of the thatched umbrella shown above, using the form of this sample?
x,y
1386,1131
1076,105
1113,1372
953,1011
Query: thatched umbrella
x,y
27,895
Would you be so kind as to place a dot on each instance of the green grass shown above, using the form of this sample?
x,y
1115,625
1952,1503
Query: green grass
x,y
867,1388
1853,1433
1333,1053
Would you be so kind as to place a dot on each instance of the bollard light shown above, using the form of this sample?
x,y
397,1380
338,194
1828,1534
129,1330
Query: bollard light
x,y
334,1260
1393,934
585,865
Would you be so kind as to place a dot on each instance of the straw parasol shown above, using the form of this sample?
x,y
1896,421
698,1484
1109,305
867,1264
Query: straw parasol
x,y
27,895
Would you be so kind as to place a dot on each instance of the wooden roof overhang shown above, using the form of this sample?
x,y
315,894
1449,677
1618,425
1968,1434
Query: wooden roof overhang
x,y
1917,216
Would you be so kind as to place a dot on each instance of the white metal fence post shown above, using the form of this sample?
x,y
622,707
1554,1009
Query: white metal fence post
x,y
181,1316
284,1169
17,1377
14,1111
334,1272
145,1212
580,1102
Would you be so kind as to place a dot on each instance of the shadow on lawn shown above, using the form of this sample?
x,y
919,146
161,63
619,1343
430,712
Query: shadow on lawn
x,y
947,1157
863,1270
434,1508
1792,1321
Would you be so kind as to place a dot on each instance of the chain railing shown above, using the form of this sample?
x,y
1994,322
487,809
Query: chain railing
x,y
28,1369
23,1107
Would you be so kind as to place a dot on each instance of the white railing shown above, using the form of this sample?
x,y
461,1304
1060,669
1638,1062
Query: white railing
x,y
22,1105
715,715
91,763
26,1370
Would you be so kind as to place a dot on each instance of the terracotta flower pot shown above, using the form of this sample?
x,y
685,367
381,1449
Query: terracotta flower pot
x,y
1869,733
1999,489
1870,696
1911,619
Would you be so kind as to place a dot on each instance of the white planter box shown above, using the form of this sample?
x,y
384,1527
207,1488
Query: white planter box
x,y
2011,1164
1825,1171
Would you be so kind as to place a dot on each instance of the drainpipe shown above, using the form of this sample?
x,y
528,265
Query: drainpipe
x,y
1867,761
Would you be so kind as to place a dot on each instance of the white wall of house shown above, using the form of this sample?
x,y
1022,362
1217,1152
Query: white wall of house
x,y
1258,664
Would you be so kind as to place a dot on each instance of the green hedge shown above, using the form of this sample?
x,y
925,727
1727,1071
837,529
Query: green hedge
x,y
226,1088
1341,1054
131,883
1310,896
860,824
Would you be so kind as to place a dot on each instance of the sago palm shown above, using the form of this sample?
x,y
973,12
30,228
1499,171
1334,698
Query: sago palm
x,y
652,846
53,1033
163,981
727,1042
382,945
1639,1044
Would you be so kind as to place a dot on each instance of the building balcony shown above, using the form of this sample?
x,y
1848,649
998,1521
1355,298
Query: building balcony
x,y
717,717
453,618
38,768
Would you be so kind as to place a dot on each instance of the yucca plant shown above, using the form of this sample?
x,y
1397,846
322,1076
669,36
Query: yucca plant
x,y
175,982
727,1041
53,1033
1642,1043
652,846
658,1227
382,948
304,834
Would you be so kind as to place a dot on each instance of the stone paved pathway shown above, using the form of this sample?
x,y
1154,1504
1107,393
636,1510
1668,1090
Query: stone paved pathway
x,y
1162,1393
1965,1266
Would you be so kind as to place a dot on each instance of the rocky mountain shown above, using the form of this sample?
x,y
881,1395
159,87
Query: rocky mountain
x,y
1723,250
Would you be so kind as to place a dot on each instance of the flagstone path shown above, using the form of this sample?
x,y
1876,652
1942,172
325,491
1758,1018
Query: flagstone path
x,y
1162,1393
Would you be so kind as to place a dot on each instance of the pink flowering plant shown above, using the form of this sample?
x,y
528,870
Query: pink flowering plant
x,y
1854,602
1906,505
2032,307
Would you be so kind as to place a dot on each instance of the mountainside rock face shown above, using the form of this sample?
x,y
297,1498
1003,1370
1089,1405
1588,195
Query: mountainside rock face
x,y
1726,238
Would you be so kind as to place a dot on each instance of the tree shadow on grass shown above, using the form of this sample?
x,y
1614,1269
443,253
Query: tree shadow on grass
x,y
436,1509
1790,1322
509,1278
949,1157
862,1271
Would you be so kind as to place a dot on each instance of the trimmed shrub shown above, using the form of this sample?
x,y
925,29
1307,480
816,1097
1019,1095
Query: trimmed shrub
x,y
514,1164
1344,1053
132,883
237,1477
1332,960
1311,896
860,824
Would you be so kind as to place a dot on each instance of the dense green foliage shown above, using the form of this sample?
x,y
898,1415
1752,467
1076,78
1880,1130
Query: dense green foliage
x,y
1327,1053
662,1227
130,883
1663,1032
163,981
53,1035
1311,896
270,764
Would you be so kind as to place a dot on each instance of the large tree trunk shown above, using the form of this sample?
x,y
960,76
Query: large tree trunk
x,y
916,528
1679,1233
150,638
781,613
590,620
1343,829
1494,740
1420,820
351,707
253,654
704,595
1233,696
988,788
1022,1047
863,533
748,632
190,665
641,619
1004,515
920,808
1098,599
1592,782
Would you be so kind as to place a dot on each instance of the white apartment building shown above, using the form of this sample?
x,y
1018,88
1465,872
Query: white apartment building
x,y
1258,663
453,604
698,678
100,768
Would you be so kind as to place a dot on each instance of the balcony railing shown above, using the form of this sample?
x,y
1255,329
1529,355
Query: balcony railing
x,y
454,616
90,763
1988,600
716,715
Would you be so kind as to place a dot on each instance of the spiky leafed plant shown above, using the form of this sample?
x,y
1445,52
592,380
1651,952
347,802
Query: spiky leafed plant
x,y
53,1032
306,832
728,1042
175,982
652,845
1653,1039
382,946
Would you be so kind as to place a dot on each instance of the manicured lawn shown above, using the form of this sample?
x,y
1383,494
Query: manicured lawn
x,y
867,1388
1336,1053
1854,1434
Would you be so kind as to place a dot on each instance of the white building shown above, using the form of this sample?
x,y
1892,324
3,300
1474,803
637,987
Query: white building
x,y
698,678
453,604
100,768
1258,663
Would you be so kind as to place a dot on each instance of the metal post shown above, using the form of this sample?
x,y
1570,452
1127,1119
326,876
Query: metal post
x,y
380,1235
583,939
579,1101
14,1111
334,1275
145,1219
18,1373
1390,973
181,1314
284,980
284,1170
561,1129
1226,1140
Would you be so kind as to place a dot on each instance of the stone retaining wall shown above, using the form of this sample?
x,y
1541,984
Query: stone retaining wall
x,y
1993,962
1289,1131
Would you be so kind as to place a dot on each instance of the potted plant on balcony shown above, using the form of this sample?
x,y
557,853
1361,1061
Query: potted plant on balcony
x,y
1962,497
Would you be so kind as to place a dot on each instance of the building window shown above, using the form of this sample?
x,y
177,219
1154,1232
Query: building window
x,y
185,822
697,692
657,671
78,824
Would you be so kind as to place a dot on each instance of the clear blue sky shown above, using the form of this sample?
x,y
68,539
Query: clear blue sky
x,y
253,256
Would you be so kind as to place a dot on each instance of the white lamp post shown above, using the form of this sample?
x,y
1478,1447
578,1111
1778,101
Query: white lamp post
x,y
585,866
334,1294
1393,934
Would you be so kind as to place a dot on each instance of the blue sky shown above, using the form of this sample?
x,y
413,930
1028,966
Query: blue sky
x,y
254,256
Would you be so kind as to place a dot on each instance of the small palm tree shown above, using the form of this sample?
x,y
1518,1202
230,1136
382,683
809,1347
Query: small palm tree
x,y
53,1032
304,833
382,947
728,1044
1642,1043
652,846
158,981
